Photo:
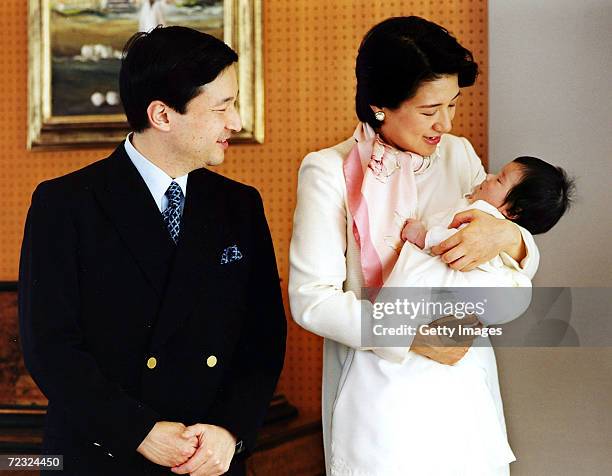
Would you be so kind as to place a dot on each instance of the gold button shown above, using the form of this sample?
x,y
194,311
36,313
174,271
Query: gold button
x,y
211,361
152,362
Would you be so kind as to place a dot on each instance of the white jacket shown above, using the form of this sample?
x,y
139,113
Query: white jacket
x,y
325,277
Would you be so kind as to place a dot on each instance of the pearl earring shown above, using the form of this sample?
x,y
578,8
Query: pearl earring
x,y
379,115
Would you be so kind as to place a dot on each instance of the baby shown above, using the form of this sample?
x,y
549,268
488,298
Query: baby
x,y
532,193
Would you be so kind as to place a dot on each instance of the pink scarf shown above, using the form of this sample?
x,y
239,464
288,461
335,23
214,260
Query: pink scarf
x,y
382,194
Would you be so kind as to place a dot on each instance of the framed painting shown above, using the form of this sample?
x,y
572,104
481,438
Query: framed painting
x,y
74,57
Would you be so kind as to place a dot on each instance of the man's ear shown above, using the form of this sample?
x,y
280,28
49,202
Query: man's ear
x,y
158,114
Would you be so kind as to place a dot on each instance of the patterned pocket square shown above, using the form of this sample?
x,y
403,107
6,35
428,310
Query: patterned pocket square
x,y
231,254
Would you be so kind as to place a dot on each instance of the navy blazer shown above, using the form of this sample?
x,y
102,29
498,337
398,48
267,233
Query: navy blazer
x,y
120,328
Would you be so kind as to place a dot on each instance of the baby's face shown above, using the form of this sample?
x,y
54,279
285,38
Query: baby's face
x,y
495,188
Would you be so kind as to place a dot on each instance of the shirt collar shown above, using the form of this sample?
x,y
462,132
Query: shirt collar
x,y
156,179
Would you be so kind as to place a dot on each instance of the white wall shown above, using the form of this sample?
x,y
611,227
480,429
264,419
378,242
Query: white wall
x,y
550,83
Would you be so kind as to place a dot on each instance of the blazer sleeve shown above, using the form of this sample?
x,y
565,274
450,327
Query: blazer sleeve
x,y
54,349
244,398
317,262
529,264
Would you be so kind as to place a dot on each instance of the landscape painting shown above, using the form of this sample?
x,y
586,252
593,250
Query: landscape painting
x,y
75,56
87,37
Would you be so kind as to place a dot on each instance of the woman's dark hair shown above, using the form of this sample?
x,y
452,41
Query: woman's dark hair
x,y
542,196
398,55
168,64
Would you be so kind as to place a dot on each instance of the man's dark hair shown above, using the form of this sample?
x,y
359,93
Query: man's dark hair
x,y
168,64
398,55
542,196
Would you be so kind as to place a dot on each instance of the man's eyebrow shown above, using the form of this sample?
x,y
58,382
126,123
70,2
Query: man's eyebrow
x,y
436,105
224,101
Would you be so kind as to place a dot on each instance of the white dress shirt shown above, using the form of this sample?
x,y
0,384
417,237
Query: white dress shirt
x,y
156,179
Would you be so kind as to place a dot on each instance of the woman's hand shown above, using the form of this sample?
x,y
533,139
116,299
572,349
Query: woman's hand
x,y
483,239
445,350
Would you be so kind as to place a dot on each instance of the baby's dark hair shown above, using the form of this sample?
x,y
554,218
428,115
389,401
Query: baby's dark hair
x,y
541,198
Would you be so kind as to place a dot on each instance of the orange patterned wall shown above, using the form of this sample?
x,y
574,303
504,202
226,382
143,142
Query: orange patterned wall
x,y
309,53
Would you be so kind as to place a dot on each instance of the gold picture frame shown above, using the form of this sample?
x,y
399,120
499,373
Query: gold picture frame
x,y
48,129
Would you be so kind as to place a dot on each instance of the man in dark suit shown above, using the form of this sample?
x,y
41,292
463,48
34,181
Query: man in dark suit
x,y
150,308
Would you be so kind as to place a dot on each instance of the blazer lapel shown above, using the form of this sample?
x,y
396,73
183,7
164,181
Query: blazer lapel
x,y
198,251
129,204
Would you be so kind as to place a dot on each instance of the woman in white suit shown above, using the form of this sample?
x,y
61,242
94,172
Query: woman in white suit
x,y
353,198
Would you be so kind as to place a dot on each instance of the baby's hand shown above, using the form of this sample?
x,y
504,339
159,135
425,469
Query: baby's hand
x,y
414,231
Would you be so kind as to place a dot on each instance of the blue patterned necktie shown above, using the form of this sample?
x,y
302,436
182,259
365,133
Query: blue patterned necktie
x,y
172,213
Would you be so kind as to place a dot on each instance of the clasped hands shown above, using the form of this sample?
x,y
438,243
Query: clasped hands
x,y
198,450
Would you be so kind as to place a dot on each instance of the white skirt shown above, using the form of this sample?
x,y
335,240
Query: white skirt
x,y
420,418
